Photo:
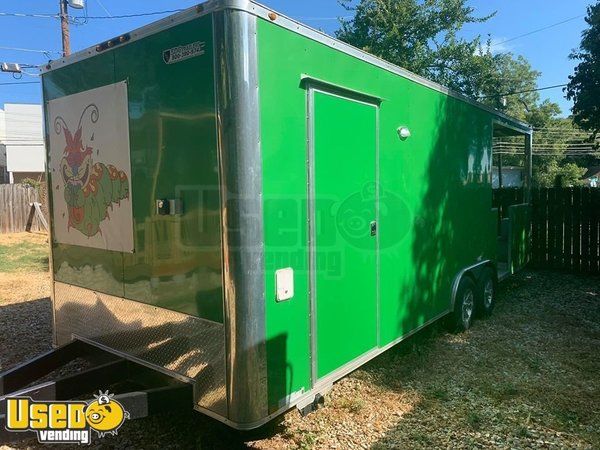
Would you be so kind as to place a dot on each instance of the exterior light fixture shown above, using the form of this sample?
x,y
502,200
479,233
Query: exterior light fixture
x,y
76,4
11,67
404,133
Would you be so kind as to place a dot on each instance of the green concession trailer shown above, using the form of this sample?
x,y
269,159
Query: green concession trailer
x,y
256,209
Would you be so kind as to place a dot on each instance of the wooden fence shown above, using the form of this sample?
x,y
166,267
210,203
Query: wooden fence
x,y
565,226
566,229
15,208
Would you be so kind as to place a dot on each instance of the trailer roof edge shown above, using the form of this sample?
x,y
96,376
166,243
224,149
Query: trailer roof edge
x,y
259,10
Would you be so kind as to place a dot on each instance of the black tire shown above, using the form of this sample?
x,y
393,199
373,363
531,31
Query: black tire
x,y
464,306
486,293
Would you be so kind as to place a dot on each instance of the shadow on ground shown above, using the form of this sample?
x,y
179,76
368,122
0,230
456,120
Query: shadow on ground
x,y
525,378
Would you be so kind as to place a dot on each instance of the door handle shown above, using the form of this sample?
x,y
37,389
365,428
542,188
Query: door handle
x,y
374,228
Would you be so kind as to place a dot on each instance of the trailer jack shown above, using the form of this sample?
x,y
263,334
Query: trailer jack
x,y
141,390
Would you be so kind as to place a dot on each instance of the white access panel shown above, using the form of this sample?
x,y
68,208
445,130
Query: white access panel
x,y
284,282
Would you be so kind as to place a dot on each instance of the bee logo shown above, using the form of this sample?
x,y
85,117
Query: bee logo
x,y
105,415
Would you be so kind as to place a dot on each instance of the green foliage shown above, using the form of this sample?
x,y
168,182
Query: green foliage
x,y
553,174
422,36
419,36
584,84
32,183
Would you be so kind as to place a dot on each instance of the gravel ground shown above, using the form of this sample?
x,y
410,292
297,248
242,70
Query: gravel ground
x,y
526,378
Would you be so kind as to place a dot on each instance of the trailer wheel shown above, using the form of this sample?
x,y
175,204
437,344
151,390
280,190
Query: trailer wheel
x,y
486,293
464,306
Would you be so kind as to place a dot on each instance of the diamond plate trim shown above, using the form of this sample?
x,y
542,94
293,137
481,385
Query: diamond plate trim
x,y
187,345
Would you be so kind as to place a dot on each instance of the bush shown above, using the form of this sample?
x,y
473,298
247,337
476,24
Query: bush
x,y
552,174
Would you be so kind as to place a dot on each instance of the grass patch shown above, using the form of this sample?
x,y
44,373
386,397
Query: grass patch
x,y
522,432
307,441
439,394
566,418
23,256
353,405
474,420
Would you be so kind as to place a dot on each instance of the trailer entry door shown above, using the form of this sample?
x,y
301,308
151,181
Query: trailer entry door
x,y
343,229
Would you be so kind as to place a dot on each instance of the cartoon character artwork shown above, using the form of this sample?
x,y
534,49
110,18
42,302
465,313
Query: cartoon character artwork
x,y
91,189
105,414
90,169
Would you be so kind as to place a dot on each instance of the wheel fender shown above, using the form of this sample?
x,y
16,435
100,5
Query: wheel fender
x,y
467,271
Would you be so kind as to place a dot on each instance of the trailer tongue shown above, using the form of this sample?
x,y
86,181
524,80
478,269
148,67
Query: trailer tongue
x,y
141,391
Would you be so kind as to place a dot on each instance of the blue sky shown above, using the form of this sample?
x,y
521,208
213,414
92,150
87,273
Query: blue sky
x,y
547,50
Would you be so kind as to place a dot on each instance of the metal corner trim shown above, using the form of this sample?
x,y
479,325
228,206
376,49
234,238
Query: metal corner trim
x,y
242,213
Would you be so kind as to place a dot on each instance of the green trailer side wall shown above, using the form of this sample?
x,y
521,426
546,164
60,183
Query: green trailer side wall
x,y
172,121
435,205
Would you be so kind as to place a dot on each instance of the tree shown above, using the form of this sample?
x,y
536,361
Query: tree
x,y
584,84
553,174
419,36
509,74
422,36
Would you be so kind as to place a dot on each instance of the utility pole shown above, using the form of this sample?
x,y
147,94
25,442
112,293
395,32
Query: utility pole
x,y
64,27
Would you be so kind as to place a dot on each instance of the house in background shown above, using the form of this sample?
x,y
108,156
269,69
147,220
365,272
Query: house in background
x,y
21,143
591,177
3,171
512,176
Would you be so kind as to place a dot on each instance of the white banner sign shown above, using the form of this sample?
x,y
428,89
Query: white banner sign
x,y
90,169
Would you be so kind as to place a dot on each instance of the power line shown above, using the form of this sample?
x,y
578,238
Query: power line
x,y
18,82
19,49
39,16
526,91
323,18
537,30
103,7
128,16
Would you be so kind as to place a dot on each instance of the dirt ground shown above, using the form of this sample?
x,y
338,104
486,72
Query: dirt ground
x,y
526,378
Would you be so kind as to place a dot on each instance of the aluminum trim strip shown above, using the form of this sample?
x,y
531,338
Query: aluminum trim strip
x,y
140,361
378,226
263,12
503,123
307,79
50,220
528,167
